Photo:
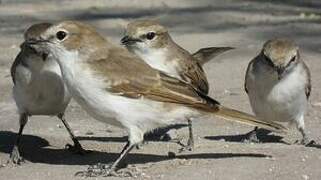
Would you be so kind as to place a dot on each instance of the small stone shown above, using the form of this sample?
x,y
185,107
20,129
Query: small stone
x,y
59,126
305,177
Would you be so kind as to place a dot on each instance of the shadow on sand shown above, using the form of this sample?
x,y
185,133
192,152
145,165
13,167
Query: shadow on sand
x,y
265,136
38,150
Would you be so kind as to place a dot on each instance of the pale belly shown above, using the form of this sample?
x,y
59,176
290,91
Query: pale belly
x,y
274,100
44,94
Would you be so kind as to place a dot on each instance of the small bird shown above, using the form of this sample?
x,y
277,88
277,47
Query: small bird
x,y
38,88
152,42
278,84
120,89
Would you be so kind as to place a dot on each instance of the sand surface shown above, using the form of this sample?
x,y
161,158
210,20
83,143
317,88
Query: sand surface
x,y
218,153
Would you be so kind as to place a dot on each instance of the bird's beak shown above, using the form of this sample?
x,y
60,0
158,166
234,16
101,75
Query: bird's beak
x,y
36,46
127,40
280,71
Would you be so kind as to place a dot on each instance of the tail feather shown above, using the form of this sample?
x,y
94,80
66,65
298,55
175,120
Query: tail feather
x,y
235,115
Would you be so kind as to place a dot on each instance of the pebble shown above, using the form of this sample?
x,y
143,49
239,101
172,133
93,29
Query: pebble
x,y
305,177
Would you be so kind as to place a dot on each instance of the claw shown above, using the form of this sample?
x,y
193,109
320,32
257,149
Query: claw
x,y
105,171
15,157
305,142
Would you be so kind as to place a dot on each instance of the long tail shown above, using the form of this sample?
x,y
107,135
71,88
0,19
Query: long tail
x,y
241,117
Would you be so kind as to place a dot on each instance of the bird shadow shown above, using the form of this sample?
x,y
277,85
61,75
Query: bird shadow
x,y
38,150
264,136
159,134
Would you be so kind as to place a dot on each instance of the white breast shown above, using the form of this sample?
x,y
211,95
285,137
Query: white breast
x,y
277,100
158,60
40,91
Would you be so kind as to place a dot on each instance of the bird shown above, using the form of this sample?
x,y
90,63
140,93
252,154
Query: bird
x,y
118,88
278,84
152,42
38,89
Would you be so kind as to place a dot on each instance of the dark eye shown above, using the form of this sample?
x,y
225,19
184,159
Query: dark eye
x,y
150,35
61,35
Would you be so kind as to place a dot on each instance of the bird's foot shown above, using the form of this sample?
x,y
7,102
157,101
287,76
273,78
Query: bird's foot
x,y
140,145
188,147
77,149
305,142
105,170
15,157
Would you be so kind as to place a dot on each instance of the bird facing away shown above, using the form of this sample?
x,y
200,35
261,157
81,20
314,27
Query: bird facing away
x,y
120,89
152,42
278,84
38,88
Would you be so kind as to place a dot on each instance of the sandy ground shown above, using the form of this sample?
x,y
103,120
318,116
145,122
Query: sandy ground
x,y
193,24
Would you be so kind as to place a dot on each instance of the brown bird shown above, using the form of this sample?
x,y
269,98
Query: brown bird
x,y
153,43
118,88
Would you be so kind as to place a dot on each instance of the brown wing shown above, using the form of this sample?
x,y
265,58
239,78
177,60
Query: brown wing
x,y
308,85
190,70
18,60
129,76
249,66
195,75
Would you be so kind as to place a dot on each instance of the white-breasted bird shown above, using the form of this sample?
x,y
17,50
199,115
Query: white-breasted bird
x,y
38,88
152,42
120,89
278,84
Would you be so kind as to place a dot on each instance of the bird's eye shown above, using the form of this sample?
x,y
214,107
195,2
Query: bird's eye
x,y
150,35
61,35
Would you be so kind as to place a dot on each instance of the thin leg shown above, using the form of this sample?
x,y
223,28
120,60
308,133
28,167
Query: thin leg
x,y
251,137
305,140
110,170
77,148
190,142
15,156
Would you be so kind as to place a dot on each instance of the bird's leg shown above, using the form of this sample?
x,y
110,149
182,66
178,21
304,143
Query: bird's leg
x,y
15,156
110,170
305,140
76,148
190,143
251,137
